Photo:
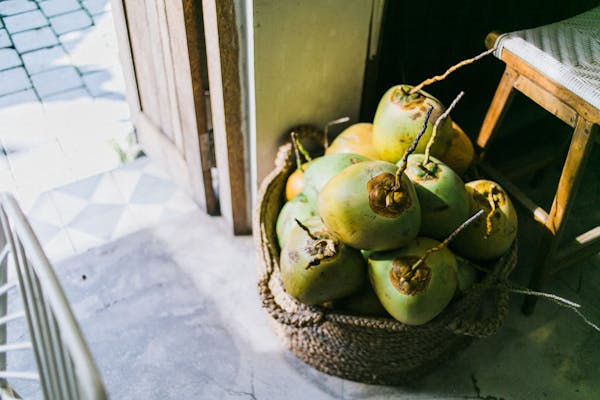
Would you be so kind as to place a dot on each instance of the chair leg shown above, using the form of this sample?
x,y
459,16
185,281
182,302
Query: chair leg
x,y
500,103
579,151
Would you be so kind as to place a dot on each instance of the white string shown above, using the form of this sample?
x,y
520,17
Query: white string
x,y
557,300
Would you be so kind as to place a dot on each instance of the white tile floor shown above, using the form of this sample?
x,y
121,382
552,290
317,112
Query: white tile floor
x,y
92,211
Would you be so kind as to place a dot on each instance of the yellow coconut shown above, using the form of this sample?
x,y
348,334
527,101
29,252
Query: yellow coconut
x,y
460,153
357,139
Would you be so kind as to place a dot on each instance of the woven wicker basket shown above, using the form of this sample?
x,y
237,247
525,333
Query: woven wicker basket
x,y
367,349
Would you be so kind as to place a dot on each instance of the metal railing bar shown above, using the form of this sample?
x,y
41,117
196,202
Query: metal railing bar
x,y
49,343
8,285
4,253
42,319
4,225
32,320
56,351
4,348
10,317
73,389
3,296
66,364
29,375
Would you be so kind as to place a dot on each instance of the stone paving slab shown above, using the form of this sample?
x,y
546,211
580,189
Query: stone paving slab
x,y
34,39
24,96
10,7
74,94
4,39
45,59
9,58
25,21
13,80
56,81
56,7
70,22
96,7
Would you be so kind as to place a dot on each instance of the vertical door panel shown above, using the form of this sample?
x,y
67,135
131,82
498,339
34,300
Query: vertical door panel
x,y
167,111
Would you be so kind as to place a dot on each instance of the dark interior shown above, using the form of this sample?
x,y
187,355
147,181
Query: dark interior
x,y
422,39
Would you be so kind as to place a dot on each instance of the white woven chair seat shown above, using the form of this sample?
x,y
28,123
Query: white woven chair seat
x,y
567,52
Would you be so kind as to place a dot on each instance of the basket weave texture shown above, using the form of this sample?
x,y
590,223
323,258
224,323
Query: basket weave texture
x,y
367,349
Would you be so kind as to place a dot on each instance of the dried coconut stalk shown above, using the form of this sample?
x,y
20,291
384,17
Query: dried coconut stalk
x,y
453,68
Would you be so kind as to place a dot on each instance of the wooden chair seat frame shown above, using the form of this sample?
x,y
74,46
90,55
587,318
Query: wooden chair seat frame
x,y
584,119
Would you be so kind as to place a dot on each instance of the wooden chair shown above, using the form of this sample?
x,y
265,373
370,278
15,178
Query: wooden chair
x,y
558,67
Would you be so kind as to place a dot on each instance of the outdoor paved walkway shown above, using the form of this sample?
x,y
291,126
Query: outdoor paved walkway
x,y
63,118
62,105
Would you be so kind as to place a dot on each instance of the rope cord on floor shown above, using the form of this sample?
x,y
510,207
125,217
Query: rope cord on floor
x,y
554,299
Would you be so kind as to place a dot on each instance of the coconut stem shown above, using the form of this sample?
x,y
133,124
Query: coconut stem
x,y
305,229
437,124
411,149
446,241
326,130
450,70
298,148
296,153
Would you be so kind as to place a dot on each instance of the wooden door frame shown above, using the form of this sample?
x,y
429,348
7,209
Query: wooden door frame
x,y
223,48
212,43
192,171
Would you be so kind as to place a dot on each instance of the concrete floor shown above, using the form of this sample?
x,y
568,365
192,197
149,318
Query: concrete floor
x,y
172,312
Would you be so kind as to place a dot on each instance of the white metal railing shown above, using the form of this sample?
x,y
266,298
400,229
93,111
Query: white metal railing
x,y
66,369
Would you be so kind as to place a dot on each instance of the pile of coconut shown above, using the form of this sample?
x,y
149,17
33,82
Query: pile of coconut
x,y
382,223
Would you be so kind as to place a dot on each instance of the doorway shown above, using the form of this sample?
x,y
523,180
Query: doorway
x,y
68,149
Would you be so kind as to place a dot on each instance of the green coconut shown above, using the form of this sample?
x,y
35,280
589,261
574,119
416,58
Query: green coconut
x,y
297,208
490,237
364,302
369,208
467,274
414,292
399,116
442,196
321,169
317,267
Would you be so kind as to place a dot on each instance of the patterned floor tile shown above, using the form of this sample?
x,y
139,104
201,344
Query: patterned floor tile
x,y
98,220
128,223
59,246
151,214
180,203
83,189
106,206
83,241
106,191
152,190
68,206
44,209
126,179
44,231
